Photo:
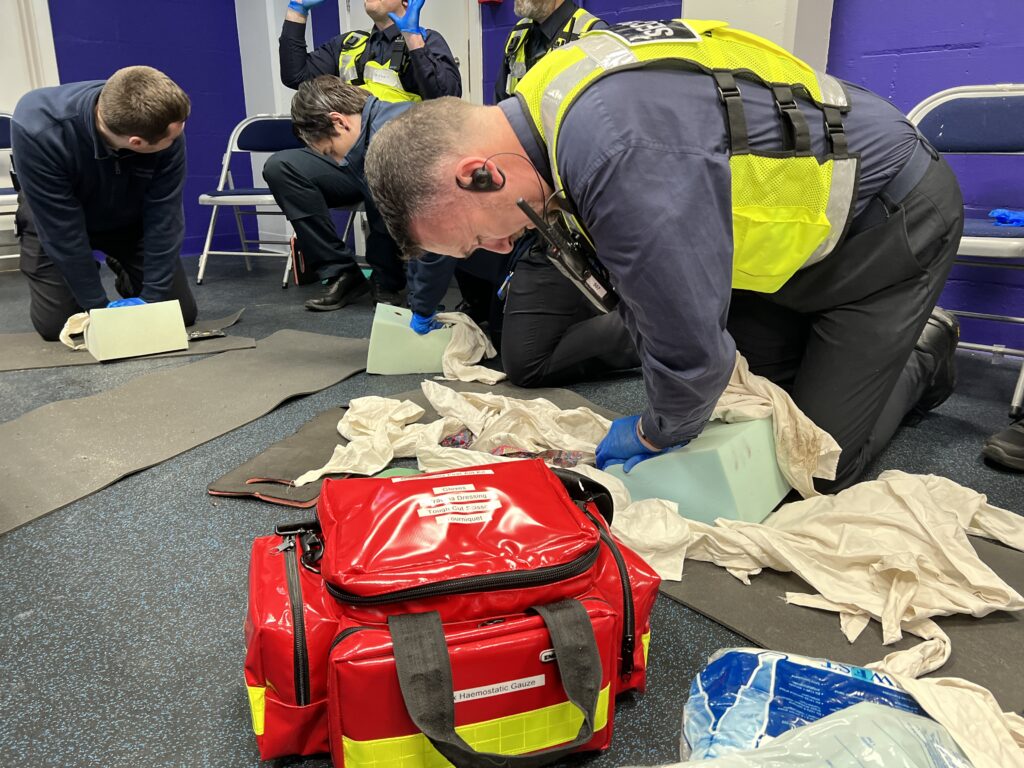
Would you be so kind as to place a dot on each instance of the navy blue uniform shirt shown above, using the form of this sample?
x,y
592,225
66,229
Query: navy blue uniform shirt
x,y
644,157
431,70
76,185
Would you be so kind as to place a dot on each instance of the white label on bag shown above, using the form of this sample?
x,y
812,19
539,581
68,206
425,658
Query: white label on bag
x,y
497,689
455,509
453,488
461,498
464,473
483,517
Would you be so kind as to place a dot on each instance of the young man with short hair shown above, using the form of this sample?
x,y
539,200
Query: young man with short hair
x,y
100,165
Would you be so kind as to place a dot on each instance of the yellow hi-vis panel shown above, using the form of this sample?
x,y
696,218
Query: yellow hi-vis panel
x,y
510,735
645,640
257,707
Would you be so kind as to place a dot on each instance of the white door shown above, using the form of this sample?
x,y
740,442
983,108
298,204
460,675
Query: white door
x,y
457,20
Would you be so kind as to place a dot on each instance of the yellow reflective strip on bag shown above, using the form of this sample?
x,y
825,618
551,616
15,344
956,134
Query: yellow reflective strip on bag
x,y
645,640
257,707
511,735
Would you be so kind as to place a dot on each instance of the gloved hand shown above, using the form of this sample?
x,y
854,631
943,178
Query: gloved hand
x,y
1007,217
622,445
134,301
410,22
424,324
302,6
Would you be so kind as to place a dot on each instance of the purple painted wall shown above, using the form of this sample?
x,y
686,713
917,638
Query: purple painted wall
x,y
196,43
908,50
498,20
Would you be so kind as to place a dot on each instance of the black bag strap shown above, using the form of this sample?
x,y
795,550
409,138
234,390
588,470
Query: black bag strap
x,y
796,136
425,678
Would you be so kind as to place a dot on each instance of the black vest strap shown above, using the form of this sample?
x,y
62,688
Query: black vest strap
x,y
796,136
836,132
735,117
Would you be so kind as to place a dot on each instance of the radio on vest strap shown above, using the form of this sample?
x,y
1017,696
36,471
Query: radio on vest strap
x,y
576,261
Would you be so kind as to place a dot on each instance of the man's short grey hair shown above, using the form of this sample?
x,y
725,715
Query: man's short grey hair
x,y
405,161
316,99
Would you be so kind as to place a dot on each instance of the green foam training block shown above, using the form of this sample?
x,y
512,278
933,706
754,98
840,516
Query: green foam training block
x,y
143,329
397,348
397,472
729,471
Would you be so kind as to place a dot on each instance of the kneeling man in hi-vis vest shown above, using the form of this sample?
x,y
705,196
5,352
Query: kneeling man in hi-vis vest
x,y
731,197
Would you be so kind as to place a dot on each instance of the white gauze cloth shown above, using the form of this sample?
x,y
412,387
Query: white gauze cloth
x,y
468,346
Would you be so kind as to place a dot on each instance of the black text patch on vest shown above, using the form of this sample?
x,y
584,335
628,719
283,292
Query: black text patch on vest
x,y
674,31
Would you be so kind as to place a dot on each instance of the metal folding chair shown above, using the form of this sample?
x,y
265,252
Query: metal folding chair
x,y
986,120
256,134
8,195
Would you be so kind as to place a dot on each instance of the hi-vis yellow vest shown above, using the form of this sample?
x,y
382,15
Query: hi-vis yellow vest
x,y
789,209
515,46
382,80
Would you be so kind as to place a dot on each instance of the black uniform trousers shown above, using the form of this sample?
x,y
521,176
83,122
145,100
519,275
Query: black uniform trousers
x,y
840,336
51,301
553,335
306,185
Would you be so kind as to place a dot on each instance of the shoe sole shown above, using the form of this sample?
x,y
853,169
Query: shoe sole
x,y
349,298
1001,457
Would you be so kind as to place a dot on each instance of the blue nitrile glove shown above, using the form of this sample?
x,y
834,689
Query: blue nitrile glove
x,y
303,6
622,445
410,23
424,324
1006,217
134,301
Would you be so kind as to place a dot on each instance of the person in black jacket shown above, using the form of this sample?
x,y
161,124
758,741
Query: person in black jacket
x,y
396,61
100,165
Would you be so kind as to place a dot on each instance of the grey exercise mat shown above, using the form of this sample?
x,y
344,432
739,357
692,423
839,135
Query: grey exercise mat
x,y
66,450
313,444
22,351
986,651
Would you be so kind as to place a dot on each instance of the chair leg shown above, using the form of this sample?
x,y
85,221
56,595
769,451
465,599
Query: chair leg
x,y
1016,410
241,237
206,248
287,269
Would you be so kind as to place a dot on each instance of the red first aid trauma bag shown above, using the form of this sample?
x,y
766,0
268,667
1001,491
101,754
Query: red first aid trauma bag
x,y
479,542
289,628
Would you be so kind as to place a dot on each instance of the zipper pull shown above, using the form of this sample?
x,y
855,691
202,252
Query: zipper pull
x,y
504,286
287,545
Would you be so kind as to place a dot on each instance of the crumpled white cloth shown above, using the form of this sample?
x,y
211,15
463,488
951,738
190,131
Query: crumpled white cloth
x,y
468,346
379,429
75,325
894,550
803,450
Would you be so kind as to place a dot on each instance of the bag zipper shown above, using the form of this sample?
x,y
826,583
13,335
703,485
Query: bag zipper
x,y
300,654
343,634
628,630
498,581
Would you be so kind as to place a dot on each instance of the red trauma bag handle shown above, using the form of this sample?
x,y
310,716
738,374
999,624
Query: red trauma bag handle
x,y
425,678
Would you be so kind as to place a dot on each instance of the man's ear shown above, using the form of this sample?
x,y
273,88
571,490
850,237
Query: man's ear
x,y
343,123
465,167
135,142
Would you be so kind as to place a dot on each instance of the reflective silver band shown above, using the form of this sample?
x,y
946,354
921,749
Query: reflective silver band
x,y
839,207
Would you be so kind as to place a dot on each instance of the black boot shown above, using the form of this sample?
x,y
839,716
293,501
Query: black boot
x,y
343,291
939,339
381,294
1007,447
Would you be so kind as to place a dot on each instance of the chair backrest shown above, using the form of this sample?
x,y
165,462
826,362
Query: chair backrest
x,y
264,133
968,119
5,131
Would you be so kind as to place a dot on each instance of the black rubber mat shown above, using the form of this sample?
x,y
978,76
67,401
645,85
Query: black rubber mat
x,y
986,651
66,450
268,475
22,351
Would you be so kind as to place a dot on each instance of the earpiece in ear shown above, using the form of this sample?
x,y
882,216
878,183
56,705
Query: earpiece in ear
x,y
481,180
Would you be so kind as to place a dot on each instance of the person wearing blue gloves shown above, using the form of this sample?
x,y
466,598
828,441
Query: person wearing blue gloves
x,y
737,199
100,165
397,61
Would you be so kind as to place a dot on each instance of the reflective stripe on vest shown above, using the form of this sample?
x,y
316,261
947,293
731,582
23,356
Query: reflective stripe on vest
x,y
789,209
382,80
515,47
